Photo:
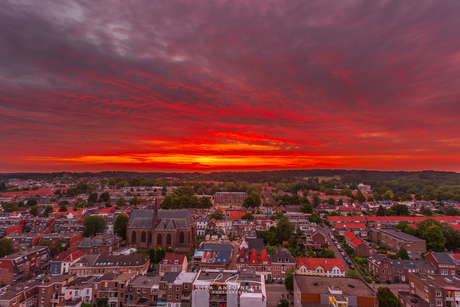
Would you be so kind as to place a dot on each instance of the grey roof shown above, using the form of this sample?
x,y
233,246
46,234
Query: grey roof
x,y
257,244
168,219
170,277
282,255
443,258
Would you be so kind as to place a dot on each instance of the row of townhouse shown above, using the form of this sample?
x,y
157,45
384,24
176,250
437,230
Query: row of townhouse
x,y
388,221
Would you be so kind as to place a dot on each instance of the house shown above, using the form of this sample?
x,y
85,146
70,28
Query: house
x,y
391,270
24,264
176,289
320,267
435,289
394,239
229,198
172,263
99,265
360,247
146,287
281,261
359,229
443,262
61,262
340,291
408,299
201,226
101,244
213,256
244,289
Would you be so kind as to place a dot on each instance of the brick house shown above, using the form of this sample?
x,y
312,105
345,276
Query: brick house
x,y
437,290
24,264
172,263
99,265
443,262
320,267
392,270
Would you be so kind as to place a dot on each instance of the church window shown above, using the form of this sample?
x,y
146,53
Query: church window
x,y
168,239
143,237
133,237
159,239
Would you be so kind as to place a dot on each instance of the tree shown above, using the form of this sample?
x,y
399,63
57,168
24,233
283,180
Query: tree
x,y
434,238
270,249
104,197
331,201
160,254
251,201
284,229
93,225
247,216
386,298
359,196
217,216
120,227
327,253
402,253
163,191
381,211
63,208
283,303
6,247
314,218
289,283
31,202
306,208
93,197
353,274
316,201
57,192
272,239
121,202
205,202
47,211
400,210
34,211
152,255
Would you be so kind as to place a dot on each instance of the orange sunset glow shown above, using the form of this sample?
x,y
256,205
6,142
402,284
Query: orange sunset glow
x,y
229,85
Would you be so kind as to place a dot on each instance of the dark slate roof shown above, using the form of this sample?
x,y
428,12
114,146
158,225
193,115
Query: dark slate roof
x,y
283,255
170,277
168,219
257,244
443,258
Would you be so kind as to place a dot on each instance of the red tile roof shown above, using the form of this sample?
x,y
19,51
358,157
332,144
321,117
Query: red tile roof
x,y
236,214
326,263
350,225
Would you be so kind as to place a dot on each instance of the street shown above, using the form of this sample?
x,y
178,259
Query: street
x,y
326,231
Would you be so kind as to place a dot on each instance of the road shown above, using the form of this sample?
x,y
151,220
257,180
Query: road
x,y
274,293
326,231
236,245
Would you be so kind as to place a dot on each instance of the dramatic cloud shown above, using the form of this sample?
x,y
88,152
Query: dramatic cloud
x,y
217,85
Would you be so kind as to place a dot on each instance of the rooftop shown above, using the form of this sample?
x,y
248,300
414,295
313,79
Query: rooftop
x,y
349,286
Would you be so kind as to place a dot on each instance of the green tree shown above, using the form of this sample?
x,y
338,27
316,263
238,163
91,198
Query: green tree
x,y
47,211
359,196
6,247
121,202
270,249
34,211
251,202
434,238
104,197
327,253
205,202
94,225
289,283
272,239
283,303
160,254
93,197
314,218
217,216
315,200
152,255
63,208
57,192
331,201
353,274
284,229
120,227
381,211
248,216
386,298
31,202
163,191
402,253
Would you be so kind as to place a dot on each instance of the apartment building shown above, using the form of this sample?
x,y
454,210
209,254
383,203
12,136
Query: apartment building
x,y
229,198
99,265
436,290
394,239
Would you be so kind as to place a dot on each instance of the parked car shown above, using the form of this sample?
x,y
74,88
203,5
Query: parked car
x,y
40,276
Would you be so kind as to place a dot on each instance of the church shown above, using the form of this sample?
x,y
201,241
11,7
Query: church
x,y
161,228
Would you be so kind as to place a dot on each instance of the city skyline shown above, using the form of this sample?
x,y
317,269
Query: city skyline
x,y
185,86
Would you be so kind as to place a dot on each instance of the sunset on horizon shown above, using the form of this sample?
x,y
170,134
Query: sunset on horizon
x,y
203,86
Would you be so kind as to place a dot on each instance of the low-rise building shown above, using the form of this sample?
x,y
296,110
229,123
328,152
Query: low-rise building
x,y
320,267
99,265
443,262
24,264
173,263
436,290
394,239
341,291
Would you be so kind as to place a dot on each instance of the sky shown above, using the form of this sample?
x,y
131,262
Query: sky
x,y
229,85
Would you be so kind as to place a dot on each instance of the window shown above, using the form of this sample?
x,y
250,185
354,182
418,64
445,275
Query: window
x,y
138,290
439,303
185,286
177,297
177,288
426,288
444,272
169,296
438,293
